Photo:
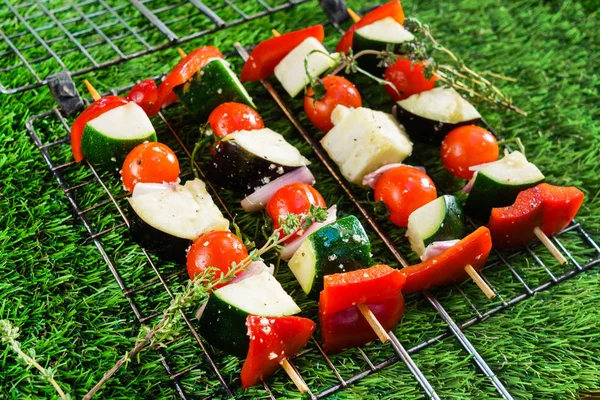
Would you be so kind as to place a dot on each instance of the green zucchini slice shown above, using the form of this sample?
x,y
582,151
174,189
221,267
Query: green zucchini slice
x,y
341,246
438,220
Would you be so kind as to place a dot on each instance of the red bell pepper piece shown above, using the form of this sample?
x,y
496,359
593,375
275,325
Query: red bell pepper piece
x,y
551,208
342,324
96,109
392,9
144,94
449,266
272,340
266,55
183,71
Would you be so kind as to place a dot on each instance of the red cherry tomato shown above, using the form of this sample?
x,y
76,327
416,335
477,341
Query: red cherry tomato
x,y
338,91
295,198
144,94
96,109
219,249
183,71
231,117
408,78
466,146
150,162
403,190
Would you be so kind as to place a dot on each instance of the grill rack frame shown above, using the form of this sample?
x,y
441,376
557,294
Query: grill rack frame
x,y
158,21
454,329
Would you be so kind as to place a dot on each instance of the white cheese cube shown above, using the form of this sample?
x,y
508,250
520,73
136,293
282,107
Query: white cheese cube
x,y
290,71
364,140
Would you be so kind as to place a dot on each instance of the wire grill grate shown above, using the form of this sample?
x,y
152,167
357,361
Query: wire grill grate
x,y
42,37
149,283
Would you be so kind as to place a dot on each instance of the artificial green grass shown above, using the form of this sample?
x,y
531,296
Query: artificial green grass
x,y
57,288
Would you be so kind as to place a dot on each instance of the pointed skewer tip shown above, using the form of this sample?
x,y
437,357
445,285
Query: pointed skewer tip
x,y
95,95
275,33
355,17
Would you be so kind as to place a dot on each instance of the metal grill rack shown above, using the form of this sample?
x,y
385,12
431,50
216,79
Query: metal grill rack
x,y
98,202
44,37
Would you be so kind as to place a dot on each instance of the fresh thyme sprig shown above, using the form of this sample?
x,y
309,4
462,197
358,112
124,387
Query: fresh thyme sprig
x,y
457,75
9,334
207,137
197,291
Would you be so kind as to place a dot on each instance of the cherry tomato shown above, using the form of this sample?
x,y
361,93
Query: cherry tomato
x,y
408,78
338,91
466,146
150,162
144,94
403,190
96,109
219,249
231,117
295,198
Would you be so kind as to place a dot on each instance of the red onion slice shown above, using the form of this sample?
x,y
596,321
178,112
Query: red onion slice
x,y
289,249
254,268
143,188
261,196
371,178
437,248
469,186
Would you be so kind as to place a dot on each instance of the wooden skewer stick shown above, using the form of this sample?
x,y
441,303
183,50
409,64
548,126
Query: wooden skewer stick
x,y
275,33
181,52
355,17
92,90
294,376
549,245
480,282
374,322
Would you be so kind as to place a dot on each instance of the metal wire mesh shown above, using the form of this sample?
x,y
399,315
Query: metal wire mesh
x,y
43,37
149,283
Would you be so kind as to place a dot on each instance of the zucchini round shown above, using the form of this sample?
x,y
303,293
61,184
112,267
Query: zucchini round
x,y
439,220
497,184
381,35
108,138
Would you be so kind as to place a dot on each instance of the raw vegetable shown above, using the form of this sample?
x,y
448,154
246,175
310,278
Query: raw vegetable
x,y
392,9
263,59
449,267
166,220
247,160
383,35
439,220
211,86
371,179
290,249
144,94
429,116
550,208
362,140
291,71
109,137
294,199
497,184
223,322
338,247
261,196
342,324
183,71
403,190
272,340
96,109
408,78
218,249
232,117
150,162
338,91
468,146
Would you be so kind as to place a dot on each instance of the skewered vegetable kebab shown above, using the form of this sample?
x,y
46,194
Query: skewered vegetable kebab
x,y
144,172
